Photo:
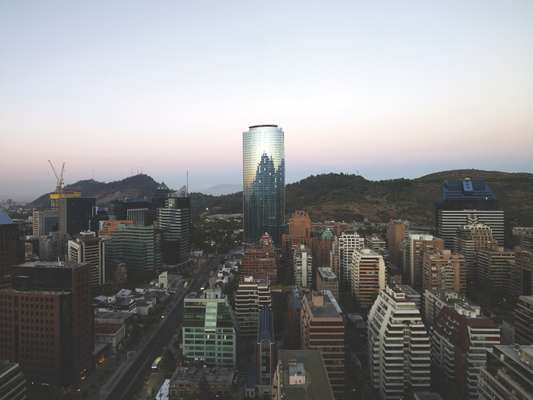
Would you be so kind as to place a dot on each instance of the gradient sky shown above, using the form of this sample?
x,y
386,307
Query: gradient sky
x,y
384,88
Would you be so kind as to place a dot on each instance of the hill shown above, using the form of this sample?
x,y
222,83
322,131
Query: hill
x,y
343,196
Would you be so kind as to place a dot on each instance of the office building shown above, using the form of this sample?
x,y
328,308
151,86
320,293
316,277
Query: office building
x,y
11,248
208,330
90,250
465,199
460,340
12,381
495,268
414,248
175,223
377,244
260,260
327,280
303,266
250,297
48,322
469,241
294,317
300,374
368,276
508,374
108,227
266,352
137,246
75,214
522,274
342,255
44,222
396,233
120,207
140,216
523,320
398,345
263,182
321,247
322,328
444,270
299,227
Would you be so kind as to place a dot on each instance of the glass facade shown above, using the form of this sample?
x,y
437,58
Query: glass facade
x,y
263,182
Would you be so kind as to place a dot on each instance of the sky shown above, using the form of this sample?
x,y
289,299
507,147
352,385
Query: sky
x,y
385,89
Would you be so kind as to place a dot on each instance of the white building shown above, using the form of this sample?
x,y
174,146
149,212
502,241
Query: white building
x,y
399,346
303,266
342,253
250,296
90,249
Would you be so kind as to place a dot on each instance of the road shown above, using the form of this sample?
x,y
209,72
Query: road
x,y
130,375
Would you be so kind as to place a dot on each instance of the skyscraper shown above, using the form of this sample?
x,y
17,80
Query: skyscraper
x,y
89,249
175,223
10,248
368,276
263,182
75,214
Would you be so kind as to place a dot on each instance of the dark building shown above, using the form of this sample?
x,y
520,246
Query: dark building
x,y
12,381
76,214
265,351
120,207
463,200
48,322
175,223
294,303
11,248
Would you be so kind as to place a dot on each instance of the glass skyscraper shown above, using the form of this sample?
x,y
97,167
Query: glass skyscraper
x,y
263,182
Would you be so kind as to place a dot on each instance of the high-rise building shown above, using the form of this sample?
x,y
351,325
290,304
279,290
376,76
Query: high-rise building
x,y
44,222
260,260
377,244
266,352
300,374
436,299
465,199
508,374
303,266
140,216
250,297
396,233
263,182
523,320
90,250
327,280
444,270
294,318
368,276
398,345
208,330
48,322
75,214
10,248
322,328
321,247
522,273
469,241
460,340
175,223
495,268
137,246
342,255
12,381
299,229
414,248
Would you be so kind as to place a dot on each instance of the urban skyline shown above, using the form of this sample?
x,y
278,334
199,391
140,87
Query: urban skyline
x,y
362,86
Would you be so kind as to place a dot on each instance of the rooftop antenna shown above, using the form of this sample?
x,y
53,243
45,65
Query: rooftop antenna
x,y
187,184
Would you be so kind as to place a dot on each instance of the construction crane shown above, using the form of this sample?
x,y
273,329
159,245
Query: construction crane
x,y
60,187
59,177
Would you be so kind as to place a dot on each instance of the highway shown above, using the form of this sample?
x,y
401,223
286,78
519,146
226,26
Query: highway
x,y
130,374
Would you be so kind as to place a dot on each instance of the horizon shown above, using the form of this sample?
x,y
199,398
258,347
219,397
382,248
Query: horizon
x,y
378,90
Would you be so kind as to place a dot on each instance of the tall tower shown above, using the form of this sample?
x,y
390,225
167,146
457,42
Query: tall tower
x,y
263,182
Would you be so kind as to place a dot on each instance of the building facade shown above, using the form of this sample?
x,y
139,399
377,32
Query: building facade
x,y
265,352
368,276
414,248
342,255
44,222
444,270
303,266
398,345
12,381
322,328
261,260
75,214
175,224
523,320
250,297
10,248
90,250
396,233
327,280
263,182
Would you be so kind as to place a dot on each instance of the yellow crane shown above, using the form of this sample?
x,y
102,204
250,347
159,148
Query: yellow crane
x,y
60,186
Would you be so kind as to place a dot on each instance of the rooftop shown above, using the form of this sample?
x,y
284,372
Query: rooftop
x,y
327,274
323,304
467,188
263,126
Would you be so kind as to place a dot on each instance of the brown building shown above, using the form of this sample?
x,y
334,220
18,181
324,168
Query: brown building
x,y
522,273
48,322
523,320
110,226
321,248
260,261
327,280
322,328
10,248
495,268
414,247
444,270
396,232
